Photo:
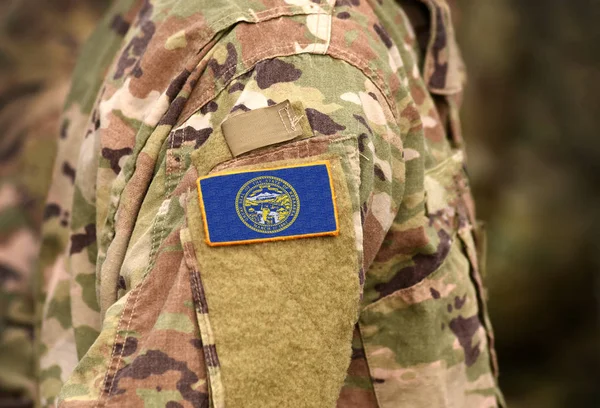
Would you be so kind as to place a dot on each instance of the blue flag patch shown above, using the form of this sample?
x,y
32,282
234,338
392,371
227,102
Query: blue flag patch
x,y
268,204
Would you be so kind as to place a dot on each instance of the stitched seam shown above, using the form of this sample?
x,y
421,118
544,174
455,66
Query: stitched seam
x,y
214,379
255,17
169,167
207,337
153,250
112,353
314,44
210,355
172,169
293,126
281,118
329,29
296,121
195,290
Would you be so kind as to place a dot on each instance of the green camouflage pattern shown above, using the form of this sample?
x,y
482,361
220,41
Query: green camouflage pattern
x,y
124,316
24,175
37,56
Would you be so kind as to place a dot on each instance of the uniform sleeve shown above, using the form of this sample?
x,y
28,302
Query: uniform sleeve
x,y
287,308
263,322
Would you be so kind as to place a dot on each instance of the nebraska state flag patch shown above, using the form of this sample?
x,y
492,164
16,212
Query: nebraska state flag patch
x,y
273,204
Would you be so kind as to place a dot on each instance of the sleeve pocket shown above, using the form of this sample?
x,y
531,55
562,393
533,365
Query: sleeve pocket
x,y
430,342
282,313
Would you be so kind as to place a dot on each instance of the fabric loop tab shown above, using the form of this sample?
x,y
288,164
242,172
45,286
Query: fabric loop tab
x,y
261,127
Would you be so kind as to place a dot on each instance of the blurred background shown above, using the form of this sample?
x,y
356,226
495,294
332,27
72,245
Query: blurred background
x,y
532,124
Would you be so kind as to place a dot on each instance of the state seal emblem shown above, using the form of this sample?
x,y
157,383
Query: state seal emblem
x,y
267,204
263,205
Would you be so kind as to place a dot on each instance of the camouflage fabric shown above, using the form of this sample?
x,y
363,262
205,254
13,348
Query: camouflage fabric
x,y
131,311
36,59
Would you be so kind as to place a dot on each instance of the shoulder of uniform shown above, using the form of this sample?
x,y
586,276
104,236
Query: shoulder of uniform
x,y
347,31
190,54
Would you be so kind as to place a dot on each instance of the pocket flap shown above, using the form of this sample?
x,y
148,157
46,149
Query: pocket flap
x,y
282,312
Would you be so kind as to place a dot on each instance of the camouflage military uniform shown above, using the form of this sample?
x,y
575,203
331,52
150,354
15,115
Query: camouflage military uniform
x,y
140,310
36,59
